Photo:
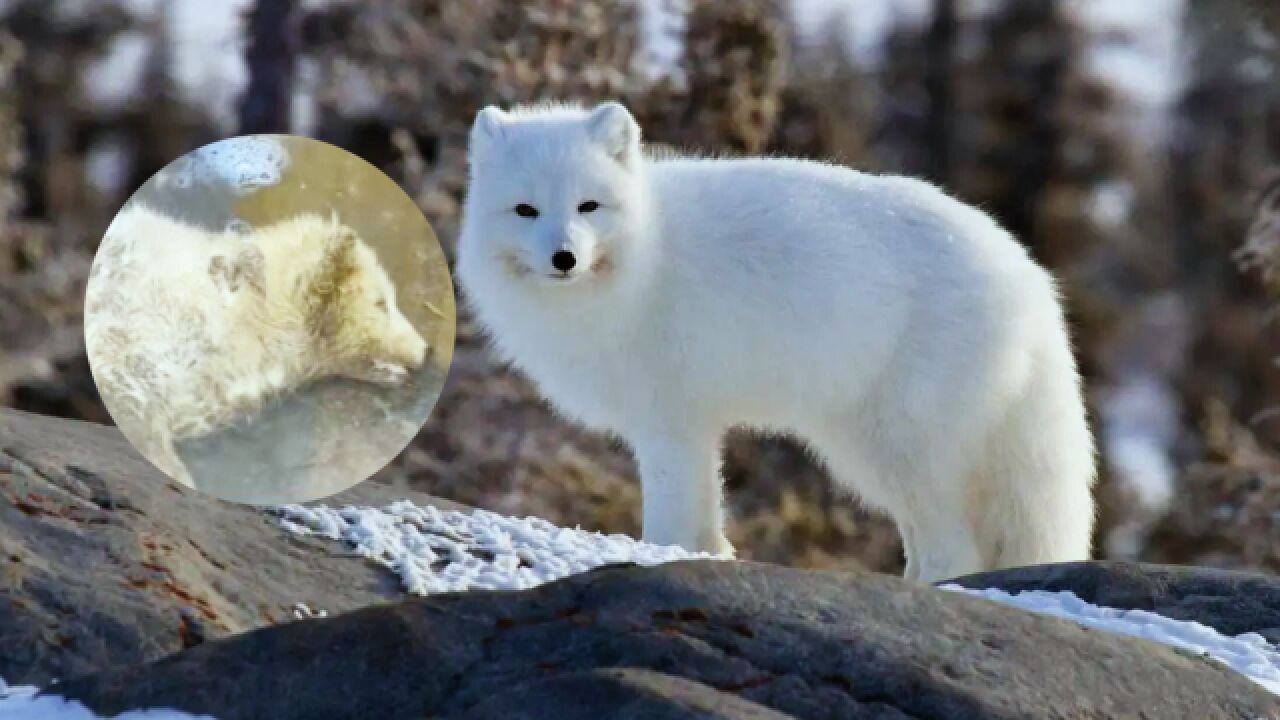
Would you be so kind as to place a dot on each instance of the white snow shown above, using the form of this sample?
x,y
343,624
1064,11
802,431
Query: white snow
x,y
107,165
243,164
436,551
1139,430
862,27
20,701
1111,203
113,80
303,611
1248,654
1136,49
1138,416
207,50
660,51
204,42
246,163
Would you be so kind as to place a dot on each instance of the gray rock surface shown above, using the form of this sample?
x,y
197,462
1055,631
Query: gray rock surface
x,y
1230,602
692,639
105,562
135,592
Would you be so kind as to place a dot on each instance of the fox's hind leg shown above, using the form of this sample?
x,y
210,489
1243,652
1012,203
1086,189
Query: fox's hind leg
x,y
946,544
928,502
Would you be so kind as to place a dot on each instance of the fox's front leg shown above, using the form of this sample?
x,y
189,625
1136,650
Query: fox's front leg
x,y
680,476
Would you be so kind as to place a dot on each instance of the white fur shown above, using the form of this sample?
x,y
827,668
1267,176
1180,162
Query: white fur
x,y
903,334
188,330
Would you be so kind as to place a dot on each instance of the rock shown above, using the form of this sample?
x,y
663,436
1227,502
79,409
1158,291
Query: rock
x,y
621,693
691,639
134,592
1230,602
105,562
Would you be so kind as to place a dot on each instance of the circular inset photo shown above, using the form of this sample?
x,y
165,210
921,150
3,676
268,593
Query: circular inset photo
x,y
269,319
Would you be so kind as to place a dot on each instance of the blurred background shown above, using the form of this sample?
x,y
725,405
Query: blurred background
x,y
1129,144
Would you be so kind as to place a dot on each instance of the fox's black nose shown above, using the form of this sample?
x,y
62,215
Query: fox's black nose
x,y
563,261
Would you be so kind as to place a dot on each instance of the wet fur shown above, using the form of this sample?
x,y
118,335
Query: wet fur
x,y
189,330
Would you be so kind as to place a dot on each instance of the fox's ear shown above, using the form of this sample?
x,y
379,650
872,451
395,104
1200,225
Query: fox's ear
x,y
612,126
488,127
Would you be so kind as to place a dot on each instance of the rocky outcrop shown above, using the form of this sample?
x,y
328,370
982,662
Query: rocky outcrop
x,y
134,592
105,562
1229,602
689,639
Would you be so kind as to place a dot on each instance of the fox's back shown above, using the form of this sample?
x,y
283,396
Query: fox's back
x,y
792,211
801,236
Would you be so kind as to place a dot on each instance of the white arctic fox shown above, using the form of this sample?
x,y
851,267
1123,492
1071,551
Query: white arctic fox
x,y
903,334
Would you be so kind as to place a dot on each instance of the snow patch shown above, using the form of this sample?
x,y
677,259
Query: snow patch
x,y
303,611
1111,204
112,81
1140,429
1138,419
204,45
860,28
1248,654
243,164
20,701
436,551
107,165
207,50
663,25
1135,48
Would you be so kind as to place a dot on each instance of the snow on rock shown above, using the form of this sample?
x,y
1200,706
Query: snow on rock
x,y
303,611
1248,654
436,551
20,701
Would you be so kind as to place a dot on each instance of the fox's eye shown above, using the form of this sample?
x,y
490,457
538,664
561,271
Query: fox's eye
x,y
524,210
588,206
382,304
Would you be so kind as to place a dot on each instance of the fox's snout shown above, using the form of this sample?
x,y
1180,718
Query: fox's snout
x,y
563,260
566,257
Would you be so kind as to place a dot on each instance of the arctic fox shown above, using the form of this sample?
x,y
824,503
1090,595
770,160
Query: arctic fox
x,y
904,335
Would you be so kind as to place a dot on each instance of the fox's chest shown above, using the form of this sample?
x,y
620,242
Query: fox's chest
x,y
593,383
593,375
